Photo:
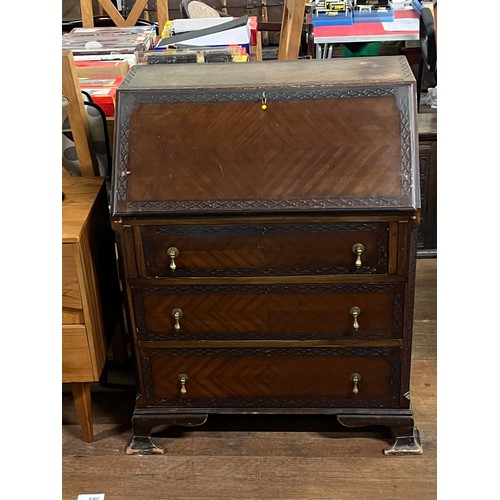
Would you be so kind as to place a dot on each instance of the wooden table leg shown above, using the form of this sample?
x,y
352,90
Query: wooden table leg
x,y
83,404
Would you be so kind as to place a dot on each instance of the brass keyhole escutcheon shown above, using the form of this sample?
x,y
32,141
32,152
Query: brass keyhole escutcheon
x,y
355,312
172,252
177,315
183,378
264,101
355,378
358,249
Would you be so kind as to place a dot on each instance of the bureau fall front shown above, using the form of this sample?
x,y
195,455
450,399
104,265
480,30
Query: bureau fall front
x,y
267,217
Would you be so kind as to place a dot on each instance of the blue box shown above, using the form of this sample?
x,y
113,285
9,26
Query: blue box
x,y
374,16
328,20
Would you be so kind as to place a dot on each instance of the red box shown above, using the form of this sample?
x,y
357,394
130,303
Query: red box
x,y
101,69
252,23
102,92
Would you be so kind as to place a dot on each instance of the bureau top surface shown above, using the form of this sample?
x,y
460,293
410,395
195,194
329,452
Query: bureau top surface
x,y
80,194
348,71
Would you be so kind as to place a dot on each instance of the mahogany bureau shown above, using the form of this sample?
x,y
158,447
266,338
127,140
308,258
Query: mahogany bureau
x,y
267,217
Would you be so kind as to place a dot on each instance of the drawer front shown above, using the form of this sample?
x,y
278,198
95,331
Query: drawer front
x,y
264,249
304,311
76,357
271,378
71,298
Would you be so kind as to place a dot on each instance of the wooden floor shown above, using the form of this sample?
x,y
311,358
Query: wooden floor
x,y
308,458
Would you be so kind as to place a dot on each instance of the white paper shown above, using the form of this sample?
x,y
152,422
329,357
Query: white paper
x,y
193,24
235,36
94,496
402,25
130,58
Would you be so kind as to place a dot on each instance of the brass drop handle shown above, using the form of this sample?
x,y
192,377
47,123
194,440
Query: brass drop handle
x,y
172,252
355,378
355,312
358,249
183,378
177,315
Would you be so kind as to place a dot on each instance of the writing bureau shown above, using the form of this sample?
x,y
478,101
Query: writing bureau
x,y
267,218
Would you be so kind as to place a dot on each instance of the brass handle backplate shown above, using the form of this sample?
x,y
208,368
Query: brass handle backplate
x,y
172,252
177,315
355,379
183,378
358,249
355,312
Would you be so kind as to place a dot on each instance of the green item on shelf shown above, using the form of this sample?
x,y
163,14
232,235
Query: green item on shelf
x,y
362,50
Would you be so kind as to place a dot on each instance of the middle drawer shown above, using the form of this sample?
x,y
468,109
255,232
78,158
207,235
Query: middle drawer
x,y
275,311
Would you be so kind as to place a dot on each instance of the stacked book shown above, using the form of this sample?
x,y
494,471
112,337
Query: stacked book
x,y
109,43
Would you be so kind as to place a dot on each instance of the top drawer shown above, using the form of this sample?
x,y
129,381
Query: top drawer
x,y
262,249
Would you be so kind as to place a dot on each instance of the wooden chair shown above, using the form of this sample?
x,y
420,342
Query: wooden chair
x,y
87,11
291,29
100,21
428,52
88,163
78,116
306,33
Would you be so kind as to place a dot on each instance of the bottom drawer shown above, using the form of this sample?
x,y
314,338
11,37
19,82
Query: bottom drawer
x,y
270,377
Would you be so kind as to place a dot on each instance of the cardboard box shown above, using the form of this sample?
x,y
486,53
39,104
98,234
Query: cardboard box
x,y
253,23
101,69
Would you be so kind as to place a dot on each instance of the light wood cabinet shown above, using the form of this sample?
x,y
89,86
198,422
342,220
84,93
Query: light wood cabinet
x,y
90,293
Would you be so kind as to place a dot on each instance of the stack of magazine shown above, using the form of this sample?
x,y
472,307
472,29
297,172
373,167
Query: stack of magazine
x,y
109,40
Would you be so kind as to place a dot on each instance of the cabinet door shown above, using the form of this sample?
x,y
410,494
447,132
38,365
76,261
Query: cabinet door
x,y
427,231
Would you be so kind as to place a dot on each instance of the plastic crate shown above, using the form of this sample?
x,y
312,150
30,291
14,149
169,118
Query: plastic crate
x,y
329,20
373,16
